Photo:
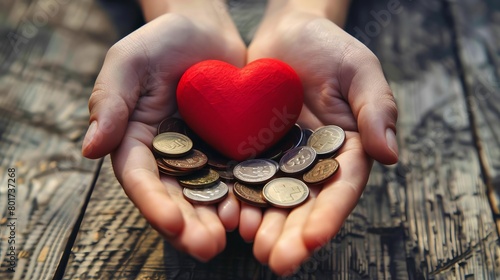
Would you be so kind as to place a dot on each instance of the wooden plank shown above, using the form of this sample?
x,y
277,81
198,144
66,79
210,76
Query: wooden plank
x,y
433,205
49,59
427,217
478,40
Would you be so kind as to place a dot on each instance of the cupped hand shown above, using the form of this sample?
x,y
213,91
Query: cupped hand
x,y
134,91
343,85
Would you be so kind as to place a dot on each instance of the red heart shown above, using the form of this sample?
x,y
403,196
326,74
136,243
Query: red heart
x,y
240,112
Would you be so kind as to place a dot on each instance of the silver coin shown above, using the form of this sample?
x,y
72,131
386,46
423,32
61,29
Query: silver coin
x,y
255,171
285,192
206,196
298,160
306,132
327,140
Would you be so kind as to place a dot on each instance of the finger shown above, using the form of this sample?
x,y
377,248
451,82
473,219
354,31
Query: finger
x,y
250,219
229,211
269,231
136,170
285,259
203,235
338,197
207,215
372,104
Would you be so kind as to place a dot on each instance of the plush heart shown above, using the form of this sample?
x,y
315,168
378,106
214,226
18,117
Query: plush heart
x,y
240,112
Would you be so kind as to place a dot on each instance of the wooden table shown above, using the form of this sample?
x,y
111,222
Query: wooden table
x,y
434,215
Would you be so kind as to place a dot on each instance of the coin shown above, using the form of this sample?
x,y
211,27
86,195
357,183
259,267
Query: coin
x,y
307,132
194,160
298,160
206,196
321,172
285,192
163,168
292,139
255,171
200,179
250,195
172,124
172,144
327,140
225,175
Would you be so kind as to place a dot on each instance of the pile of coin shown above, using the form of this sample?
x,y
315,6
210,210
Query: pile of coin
x,y
280,178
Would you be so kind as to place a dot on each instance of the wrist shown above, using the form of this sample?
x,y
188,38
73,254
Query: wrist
x,y
334,10
197,10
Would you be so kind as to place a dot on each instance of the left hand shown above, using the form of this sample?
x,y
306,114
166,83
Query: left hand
x,y
343,85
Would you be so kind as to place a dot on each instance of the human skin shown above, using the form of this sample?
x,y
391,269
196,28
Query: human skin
x,y
343,85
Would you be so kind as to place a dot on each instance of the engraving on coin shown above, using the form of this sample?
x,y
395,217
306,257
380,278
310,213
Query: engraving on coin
x,y
321,172
255,171
298,160
193,161
250,195
172,124
285,192
172,144
200,179
206,196
327,140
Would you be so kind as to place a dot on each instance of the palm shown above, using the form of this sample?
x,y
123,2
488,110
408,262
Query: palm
x,y
320,53
139,78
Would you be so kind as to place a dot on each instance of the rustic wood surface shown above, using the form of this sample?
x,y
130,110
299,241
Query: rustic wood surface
x,y
49,53
478,40
434,215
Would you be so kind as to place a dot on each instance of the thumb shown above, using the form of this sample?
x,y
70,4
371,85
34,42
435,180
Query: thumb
x,y
113,99
373,106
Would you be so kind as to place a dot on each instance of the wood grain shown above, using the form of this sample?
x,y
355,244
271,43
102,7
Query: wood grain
x,y
478,42
50,52
428,217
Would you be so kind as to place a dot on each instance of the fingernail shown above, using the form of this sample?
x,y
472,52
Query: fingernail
x,y
392,143
89,135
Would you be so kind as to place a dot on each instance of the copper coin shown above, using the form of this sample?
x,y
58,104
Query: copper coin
x,y
327,140
193,161
298,160
250,195
322,171
285,192
172,144
172,124
206,196
255,171
200,179
163,168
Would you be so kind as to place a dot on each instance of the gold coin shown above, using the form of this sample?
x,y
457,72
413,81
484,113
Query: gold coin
x,y
249,194
200,179
285,192
321,172
172,144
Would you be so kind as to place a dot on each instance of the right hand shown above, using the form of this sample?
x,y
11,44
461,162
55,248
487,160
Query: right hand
x,y
134,91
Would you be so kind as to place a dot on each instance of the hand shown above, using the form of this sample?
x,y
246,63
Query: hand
x,y
134,91
343,85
